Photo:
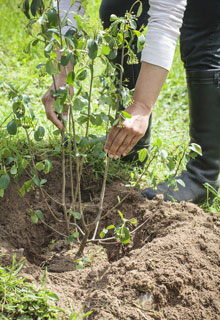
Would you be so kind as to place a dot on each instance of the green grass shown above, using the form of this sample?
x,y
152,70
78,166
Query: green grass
x,y
20,300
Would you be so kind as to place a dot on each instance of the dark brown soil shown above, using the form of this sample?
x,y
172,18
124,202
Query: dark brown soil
x,y
170,269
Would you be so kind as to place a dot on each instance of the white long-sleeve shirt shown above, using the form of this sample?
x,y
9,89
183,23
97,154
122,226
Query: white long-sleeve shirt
x,y
166,17
165,20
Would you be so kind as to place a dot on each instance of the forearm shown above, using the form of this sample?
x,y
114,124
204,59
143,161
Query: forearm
x,y
150,81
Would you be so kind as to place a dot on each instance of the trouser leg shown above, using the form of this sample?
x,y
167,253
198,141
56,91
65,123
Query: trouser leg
x,y
200,52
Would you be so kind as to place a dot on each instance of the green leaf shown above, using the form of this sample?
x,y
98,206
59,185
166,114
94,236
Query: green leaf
x,y
12,128
50,67
70,78
28,184
181,182
13,170
47,166
84,142
126,115
110,227
105,50
53,17
92,48
133,221
35,5
34,217
82,75
21,191
140,9
2,191
52,296
124,235
72,237
115,123
113,54
43,181
26,8
35,42
40,166
196,148
39,133
87,260
113,17
121,215
65,59
36,181
142,154
141,42
77,215
80,265
4,181
103,233
39,213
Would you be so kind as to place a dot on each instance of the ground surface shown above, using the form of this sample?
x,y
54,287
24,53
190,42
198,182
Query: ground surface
x,y
170,270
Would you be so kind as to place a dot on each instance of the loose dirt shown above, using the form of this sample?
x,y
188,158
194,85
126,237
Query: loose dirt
x,y
170,269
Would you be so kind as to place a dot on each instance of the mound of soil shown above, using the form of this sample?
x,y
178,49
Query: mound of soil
x,y
170,269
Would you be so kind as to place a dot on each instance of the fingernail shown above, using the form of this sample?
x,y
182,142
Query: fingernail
x,y
110,156
116,157
65,117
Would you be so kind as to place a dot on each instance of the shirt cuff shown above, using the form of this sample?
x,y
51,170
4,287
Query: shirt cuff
x,y
159,49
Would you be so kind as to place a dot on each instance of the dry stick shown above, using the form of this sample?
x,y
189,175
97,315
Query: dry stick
x,y
78,191
72,207
101,198
64,187
49,196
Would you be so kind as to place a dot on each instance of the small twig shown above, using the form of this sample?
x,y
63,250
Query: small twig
x,y
90,97
66,217
101,197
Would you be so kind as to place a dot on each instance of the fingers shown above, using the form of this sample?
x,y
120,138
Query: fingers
x,y
121,141
126,148
48,101
51,115
114,140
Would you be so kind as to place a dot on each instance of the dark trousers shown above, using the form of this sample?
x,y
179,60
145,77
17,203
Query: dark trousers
x,y
200,33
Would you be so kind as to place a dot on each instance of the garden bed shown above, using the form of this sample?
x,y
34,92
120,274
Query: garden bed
x,y
169,270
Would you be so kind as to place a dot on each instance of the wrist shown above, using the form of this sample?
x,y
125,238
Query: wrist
x,y
144,107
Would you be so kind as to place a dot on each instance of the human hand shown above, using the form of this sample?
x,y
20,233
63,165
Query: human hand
x,y
48,101
120,141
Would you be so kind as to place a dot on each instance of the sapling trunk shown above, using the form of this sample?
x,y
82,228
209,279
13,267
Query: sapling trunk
x,y
100,211
79,166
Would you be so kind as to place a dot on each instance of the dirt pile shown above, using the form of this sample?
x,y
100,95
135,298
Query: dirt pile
x,y
170,270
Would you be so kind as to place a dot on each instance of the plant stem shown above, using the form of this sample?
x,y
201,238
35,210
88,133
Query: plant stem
x,y
101,197
90,97
66,217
